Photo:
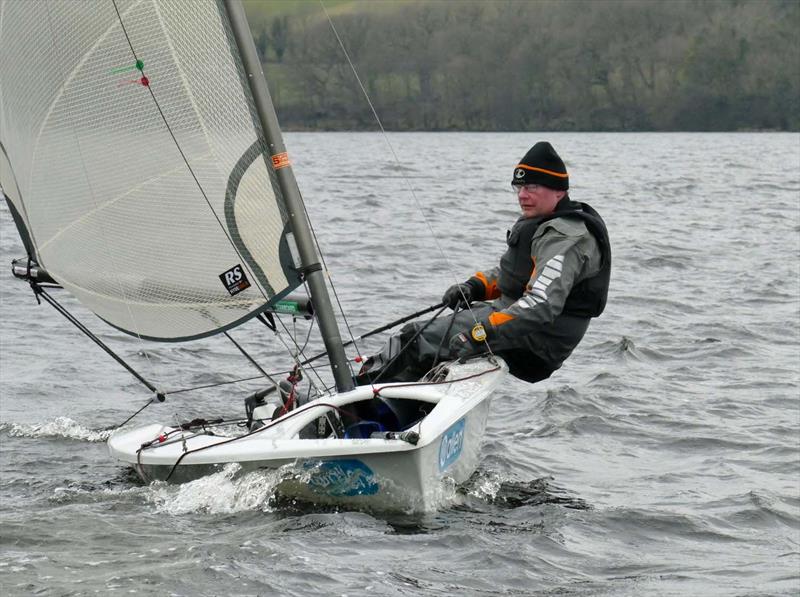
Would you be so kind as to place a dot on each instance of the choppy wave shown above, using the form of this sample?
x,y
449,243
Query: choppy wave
x,y
661,459
492,489
60,427
225,492
233,490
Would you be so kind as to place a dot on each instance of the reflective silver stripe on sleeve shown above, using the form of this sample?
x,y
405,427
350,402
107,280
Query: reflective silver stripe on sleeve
x,y
529,302
551,271
538,291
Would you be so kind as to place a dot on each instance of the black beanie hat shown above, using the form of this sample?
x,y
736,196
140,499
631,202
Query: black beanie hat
x,y
542,165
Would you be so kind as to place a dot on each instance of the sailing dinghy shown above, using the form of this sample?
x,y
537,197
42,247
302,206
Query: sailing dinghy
x,y
143,164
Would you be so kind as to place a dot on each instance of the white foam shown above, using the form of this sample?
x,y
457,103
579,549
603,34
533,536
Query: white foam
x,y
487,487
221,493
60,427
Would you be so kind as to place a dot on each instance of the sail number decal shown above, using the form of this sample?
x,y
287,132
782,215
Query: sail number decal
x,y
451,446
342,478
235,280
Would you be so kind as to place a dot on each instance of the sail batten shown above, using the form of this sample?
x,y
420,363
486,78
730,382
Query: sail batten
x,y
144,187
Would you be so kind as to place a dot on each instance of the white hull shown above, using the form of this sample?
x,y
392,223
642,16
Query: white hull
x,y
376,473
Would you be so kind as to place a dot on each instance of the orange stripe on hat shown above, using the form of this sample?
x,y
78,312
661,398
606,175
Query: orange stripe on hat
x,y
550,172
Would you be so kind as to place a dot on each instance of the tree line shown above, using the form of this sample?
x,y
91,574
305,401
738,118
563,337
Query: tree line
x,y
548,65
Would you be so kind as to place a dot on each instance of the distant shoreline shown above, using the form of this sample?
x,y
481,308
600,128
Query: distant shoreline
x,y
599,66
295,129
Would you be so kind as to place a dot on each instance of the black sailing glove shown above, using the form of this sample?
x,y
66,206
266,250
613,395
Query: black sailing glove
x,y
471,290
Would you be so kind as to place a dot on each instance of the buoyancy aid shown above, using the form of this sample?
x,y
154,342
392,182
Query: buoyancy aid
x,y
588,297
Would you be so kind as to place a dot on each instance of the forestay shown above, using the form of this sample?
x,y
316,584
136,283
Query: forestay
x,y
134,160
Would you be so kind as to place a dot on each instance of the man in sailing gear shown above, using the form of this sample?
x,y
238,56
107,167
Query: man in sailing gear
x,y
535,306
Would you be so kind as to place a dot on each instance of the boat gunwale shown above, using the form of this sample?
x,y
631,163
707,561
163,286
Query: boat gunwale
x,y
268,446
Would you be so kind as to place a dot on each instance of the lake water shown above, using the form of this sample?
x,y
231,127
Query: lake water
x,y
662,459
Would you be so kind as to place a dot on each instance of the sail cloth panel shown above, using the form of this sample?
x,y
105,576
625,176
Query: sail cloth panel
x,y
140,188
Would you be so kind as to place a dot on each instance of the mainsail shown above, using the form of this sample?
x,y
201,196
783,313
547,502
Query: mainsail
x,y
135,164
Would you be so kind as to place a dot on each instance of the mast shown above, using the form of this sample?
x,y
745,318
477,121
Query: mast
x,y
291,194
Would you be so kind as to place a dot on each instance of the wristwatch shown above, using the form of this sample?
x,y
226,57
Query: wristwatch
x,y
478,333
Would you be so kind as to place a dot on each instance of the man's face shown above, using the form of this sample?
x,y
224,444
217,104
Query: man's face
x,y
536,200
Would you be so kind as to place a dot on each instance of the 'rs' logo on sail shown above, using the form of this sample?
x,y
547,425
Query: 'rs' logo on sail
x,y
235,280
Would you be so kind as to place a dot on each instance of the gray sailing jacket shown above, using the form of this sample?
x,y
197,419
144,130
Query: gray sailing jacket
x,y
534,333
563,254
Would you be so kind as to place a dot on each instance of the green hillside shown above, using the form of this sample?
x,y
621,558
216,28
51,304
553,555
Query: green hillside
x,y
534,65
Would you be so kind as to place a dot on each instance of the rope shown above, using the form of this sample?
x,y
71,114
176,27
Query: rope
x,y
377,391
128,420
392,150
249,358
214,385
92,193
333,287
297,360
407,344
161,438
405,178
380,329
310,329
445,336
283,419
186,161
72,319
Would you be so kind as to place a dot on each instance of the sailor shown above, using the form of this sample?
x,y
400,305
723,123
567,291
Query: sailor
x,y
534,307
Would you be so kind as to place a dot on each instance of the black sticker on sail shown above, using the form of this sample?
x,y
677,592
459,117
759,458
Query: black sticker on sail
x,y
235,280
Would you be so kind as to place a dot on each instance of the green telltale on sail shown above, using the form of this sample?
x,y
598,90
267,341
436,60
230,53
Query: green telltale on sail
x,y
124,69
